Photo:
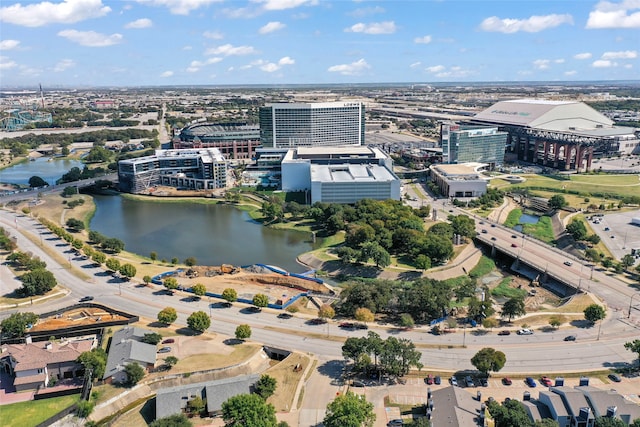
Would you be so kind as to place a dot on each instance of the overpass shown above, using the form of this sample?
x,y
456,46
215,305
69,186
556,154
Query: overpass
x,y
30,193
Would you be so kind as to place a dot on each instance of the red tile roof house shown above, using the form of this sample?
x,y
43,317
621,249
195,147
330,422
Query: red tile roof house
x,y
34,365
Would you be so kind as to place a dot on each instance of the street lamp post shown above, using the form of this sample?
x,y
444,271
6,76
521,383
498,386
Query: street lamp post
x,y
631,304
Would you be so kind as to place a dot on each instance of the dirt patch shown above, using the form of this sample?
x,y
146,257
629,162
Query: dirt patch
x,y
76,317
287,377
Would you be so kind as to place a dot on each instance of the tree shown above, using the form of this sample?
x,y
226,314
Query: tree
x,y
248,410
406,321
609,422
513,307
84,408
230,295
113,245
167,315
36,181
557,202
190,261
488,360
489,323
594,312
98,257
37,282
199,289
151,338
326,312
153,256
113,264
422,262
170,283
134,373
349,410
128,271
199,321
260,300
556,320
464,226
512,413
628,260
174,260
546,422
170,361
15,325
75,225
243,332
265,386
398,355
94,360
577,229
633,346
175,420
196,405
363,314
146,279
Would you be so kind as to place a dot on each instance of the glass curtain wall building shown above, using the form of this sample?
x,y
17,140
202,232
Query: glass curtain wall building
x,y
312,125
462,144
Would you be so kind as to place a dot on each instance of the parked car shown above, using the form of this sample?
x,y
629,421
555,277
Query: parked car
x,y
513,236
493,225
484,231
570,338
317,321
346,325
484,382
468,381
168,341
164,350
530,381
360,326
525,332
437,380
504,333
453,381
86,299
513,245
357,383
493,238
429,379
395,423
568,263
284,316
507,381
546,381
615,378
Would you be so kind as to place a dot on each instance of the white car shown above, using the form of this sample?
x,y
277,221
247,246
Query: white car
x,y
525,332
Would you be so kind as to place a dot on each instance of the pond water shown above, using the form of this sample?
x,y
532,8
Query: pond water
x,y
47,168
526,219
212,233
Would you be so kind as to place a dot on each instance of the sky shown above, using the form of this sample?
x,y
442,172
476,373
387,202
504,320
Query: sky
x,y
76,43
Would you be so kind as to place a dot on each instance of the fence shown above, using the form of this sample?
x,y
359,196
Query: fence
x,y
57,417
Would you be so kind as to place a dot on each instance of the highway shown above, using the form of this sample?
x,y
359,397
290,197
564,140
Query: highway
x,y
543,352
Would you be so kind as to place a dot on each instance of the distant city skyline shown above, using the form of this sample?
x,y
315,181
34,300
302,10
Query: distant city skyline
x,y
275,42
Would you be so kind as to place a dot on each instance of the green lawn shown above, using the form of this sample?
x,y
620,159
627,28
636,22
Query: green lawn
x,y
542,230
513,218
484,266
504,290
33,412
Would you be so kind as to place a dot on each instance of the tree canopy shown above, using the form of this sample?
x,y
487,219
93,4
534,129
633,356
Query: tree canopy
x,y
594,312
349,410
16,324
243,332
245,410
489,360
95,360
199,321
134,373
167,315
265,386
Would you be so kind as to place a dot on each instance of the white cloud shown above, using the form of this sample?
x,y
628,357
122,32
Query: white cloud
x,y
285,4
140,23
65,12
91,38
271,27
627,54
8,44
353,69
241,13
628,66
570,73
533,24
6,63
270,67
366,11
615,15
436,68
559,61
603,63
541,64
387,27
63,65
214,35
166,74
196,65
585,55
285,60
187,47
230,50
422,40
415,64
180,7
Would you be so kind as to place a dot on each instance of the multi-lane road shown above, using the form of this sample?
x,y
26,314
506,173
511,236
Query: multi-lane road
x,y
542,352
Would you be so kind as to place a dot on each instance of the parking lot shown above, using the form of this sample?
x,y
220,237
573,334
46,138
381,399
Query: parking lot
x,y
617,232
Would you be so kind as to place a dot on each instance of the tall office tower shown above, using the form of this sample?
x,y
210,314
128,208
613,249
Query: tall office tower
x,y
312,125
479,144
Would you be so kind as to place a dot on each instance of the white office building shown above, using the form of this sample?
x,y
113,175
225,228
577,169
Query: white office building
x,y
340,174
289,125
459,180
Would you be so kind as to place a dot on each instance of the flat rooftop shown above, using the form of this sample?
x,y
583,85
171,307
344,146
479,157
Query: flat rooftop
x,y
459,169
348,173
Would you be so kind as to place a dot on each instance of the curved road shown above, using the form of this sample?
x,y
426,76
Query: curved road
x,y
543,352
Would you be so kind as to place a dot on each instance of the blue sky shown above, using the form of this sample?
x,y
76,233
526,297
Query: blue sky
x,y
211,42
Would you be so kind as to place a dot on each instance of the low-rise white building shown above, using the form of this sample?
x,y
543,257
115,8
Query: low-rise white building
x,y
340,174
459,180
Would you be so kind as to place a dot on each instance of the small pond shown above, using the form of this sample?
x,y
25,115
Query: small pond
x,y
526,219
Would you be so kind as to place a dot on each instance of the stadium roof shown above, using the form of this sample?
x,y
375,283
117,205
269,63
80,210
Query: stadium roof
x,y
562,116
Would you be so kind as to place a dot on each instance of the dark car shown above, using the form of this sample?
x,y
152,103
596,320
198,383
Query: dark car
x,y
87,298
360,326
484,382
284,316
513,236
507,381
493,238
346,325
395,423
493,225
357,383
513,245
530,381
504,333
317,321
570,338
484,231
615,378
468,381
168,341
164,350
429,379
437,380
